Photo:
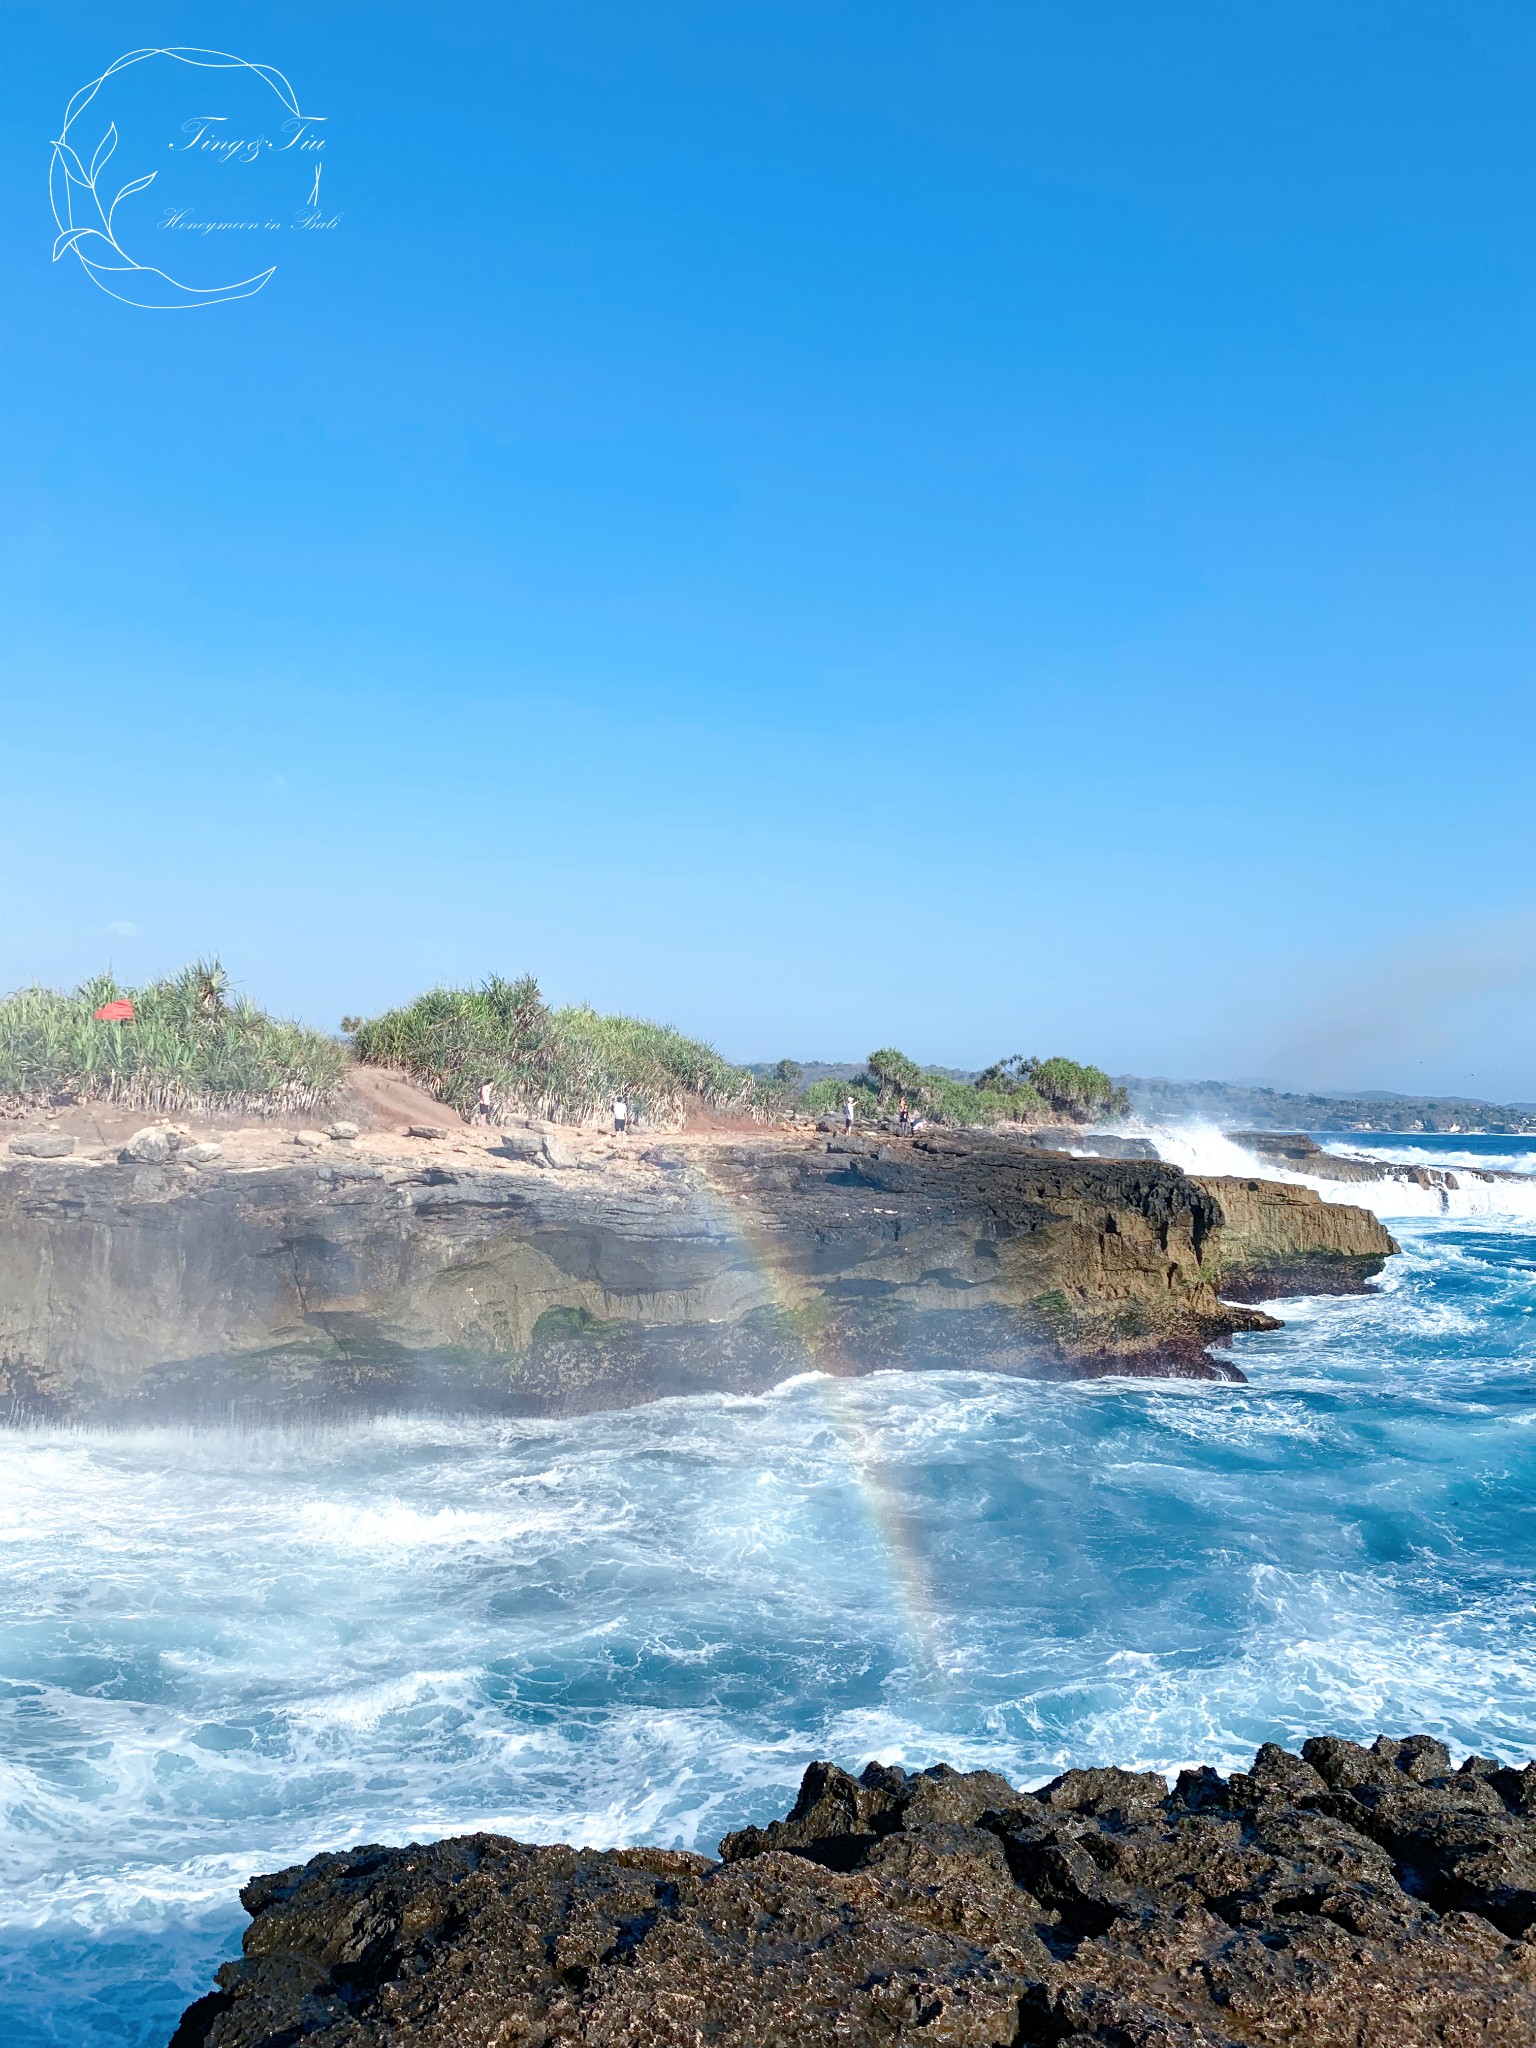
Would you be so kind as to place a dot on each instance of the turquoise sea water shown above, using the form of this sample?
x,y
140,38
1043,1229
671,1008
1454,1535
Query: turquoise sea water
x,y
222,1652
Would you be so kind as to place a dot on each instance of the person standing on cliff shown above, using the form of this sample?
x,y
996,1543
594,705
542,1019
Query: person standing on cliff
x,y
848,1116
902,1115
620,1116
487,1110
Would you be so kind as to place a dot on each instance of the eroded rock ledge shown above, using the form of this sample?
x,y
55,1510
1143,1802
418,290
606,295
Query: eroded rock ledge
x,y
544,1280
1342,1898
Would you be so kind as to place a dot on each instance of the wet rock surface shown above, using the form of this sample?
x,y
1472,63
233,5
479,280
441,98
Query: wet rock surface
x,y
1341,1898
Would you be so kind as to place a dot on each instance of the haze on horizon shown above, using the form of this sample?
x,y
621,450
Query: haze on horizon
x,y
981,529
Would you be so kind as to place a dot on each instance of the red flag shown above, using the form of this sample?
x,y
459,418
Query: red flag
x,y
120,1012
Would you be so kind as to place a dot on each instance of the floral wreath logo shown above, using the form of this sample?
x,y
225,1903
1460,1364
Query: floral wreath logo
x,y
90,232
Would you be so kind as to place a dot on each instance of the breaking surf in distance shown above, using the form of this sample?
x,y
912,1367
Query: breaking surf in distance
x,y
1495,1177
226,1651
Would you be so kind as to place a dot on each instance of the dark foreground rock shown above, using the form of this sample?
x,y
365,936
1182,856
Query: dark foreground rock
x,y
1343,1898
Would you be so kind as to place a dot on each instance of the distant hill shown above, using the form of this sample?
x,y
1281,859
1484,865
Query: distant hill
x,y
1271,1109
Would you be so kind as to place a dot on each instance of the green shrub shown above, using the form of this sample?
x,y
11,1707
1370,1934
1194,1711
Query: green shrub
x,y
1017,1090
565,1065
963,1102
894,1074
1077,1091
191,1046
1064,1087
930,1095
826,1098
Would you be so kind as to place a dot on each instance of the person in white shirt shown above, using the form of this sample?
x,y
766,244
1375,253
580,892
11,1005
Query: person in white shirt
x,y
620,1116
487,1104
848,1114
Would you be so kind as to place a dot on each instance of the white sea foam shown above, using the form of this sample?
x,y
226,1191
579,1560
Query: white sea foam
x,y
393,1525
1513,1156
1203,1148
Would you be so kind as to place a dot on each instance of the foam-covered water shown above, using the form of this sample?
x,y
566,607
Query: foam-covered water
x,y
221,1653
1203,1148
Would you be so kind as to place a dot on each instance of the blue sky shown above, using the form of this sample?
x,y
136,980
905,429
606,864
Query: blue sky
x,y
989,527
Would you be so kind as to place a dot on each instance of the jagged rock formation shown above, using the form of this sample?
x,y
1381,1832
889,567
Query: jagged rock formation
x,y
1343,1898
511,1281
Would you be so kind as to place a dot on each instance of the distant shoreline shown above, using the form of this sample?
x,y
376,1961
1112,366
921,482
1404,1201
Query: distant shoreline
x,y
1343,1115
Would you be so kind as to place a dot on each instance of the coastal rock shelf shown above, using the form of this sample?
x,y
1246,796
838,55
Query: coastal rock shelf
x,y
1342,1898
1278,1239
1295,1152
545,1273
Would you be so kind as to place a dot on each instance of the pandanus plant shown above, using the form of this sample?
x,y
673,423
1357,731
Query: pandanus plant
x,y
191,1045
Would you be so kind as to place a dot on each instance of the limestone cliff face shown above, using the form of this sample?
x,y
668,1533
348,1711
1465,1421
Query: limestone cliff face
x,y
133,1287
1281,1239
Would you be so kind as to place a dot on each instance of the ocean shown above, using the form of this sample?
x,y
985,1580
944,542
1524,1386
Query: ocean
x,y
222,1652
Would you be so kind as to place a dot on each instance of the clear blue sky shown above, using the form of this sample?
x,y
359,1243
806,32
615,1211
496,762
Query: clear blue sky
x,y
989,527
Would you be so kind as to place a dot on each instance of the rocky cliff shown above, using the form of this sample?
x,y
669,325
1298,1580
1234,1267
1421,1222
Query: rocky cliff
x,y
477,1270
1280,1239
1342,1898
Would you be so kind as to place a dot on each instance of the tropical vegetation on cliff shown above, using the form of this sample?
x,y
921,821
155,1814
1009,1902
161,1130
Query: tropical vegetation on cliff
x,y
564,1064
1015,1090
1066,1088
191,1044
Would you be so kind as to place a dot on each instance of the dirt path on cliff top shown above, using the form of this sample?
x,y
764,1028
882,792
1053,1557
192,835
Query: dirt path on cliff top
x,y
393,1103
386,1106
369,1096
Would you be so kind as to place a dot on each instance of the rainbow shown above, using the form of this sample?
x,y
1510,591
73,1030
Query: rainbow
x,y
896,1539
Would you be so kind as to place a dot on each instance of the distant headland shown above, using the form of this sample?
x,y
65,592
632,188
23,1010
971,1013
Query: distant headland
x,y
1271,1109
